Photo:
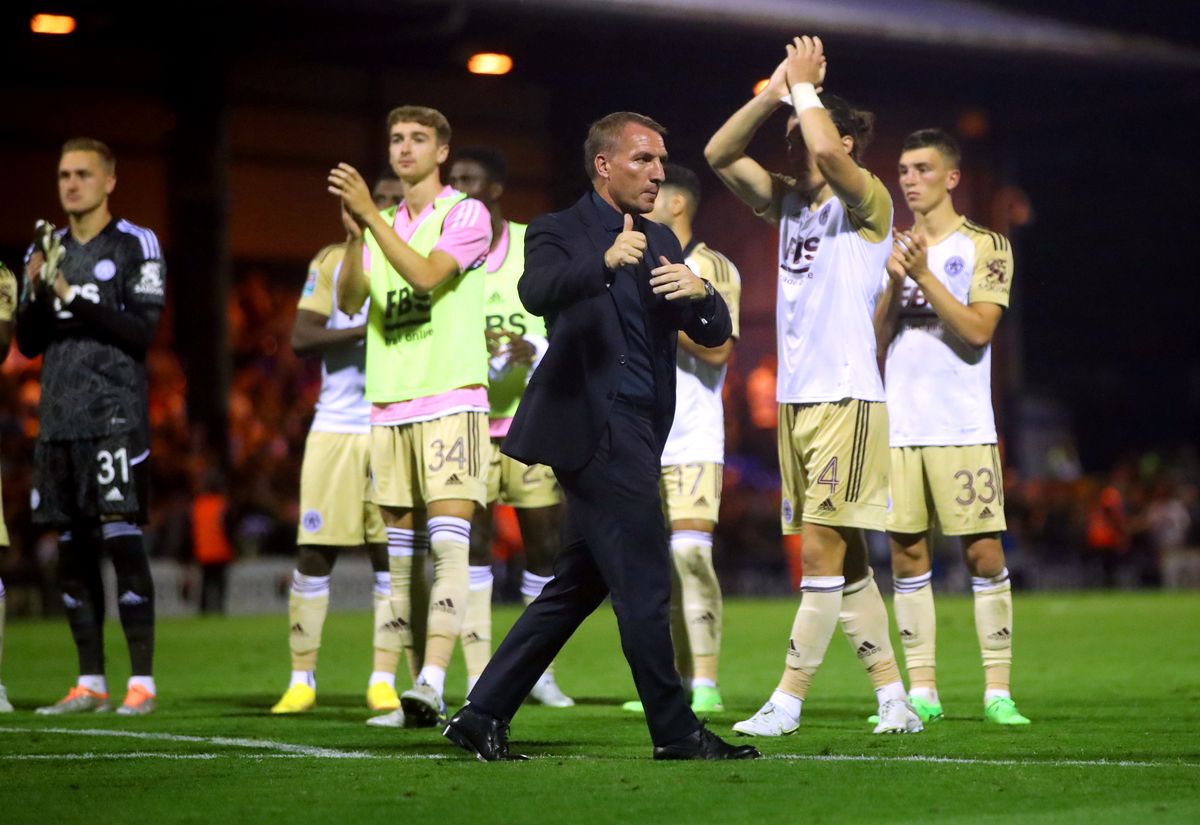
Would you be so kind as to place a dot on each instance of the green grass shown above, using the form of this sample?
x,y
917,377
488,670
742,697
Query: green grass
x,y
1106,678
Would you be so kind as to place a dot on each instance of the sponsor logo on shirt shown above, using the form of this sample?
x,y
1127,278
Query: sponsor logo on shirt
x,y
800,255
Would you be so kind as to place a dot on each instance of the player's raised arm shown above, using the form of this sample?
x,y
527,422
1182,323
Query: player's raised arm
x,y
974,322
887,308
8,307
423,274
717,356
311,334
805,67
726,150
354,285
131,327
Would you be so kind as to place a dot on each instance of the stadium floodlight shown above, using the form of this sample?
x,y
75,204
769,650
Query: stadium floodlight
x,y
489,63
52,24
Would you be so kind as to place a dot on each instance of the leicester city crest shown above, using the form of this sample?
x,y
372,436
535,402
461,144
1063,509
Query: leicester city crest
x,y
312,521
954,265
104,270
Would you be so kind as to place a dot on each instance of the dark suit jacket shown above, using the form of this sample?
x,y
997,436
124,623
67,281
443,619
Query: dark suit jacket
x,y
565,408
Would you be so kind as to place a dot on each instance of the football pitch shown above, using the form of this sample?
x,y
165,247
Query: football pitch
x,y
1111,682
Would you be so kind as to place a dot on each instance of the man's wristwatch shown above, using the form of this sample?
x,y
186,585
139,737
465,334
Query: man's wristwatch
x,y
709,290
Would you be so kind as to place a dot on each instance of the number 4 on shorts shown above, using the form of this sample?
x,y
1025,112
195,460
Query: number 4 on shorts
x,y
829,477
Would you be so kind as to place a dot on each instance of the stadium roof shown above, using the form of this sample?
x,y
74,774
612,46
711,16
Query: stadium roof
x,y
920,22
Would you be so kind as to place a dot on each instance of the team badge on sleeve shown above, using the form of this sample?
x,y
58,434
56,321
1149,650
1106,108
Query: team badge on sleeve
x,y
310,285
150,281
997,274
8,293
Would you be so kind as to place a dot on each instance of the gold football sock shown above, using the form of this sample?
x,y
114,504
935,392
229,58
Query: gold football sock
x,y
477,623
405,570
679,634
865,622
916,622
386,642
419,594
308,603
449,540
993,626
700,598
816,618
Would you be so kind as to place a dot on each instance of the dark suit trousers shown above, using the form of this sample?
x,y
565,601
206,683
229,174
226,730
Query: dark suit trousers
x,y
615,543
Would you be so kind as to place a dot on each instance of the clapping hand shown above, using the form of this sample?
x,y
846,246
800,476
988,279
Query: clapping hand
x,y
676,281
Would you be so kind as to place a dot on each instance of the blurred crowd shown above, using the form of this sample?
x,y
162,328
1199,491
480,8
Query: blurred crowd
x,y
1136,525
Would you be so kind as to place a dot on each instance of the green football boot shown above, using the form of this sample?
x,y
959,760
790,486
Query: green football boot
x,y
634,707
927,710
1003,711
706,700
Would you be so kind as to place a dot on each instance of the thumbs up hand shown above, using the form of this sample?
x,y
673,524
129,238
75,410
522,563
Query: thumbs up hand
x,y
628,248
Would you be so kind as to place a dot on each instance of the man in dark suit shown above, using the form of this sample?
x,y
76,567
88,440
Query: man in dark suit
x,y
598,410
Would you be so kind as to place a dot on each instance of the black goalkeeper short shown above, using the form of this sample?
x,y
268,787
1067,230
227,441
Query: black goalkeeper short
x,y
87,479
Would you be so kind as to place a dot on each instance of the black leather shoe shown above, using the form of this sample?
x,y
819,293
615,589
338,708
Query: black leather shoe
x,y
480,734
704,744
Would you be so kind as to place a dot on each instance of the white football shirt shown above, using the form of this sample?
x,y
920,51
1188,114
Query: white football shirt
x,y
830,261
939,388
341,407
698,432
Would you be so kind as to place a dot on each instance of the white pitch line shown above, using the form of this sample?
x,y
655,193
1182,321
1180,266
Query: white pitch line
x,y
260,744
90,756
251,757
287,750
956,760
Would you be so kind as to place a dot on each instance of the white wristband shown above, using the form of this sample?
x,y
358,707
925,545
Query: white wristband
x,y
804,96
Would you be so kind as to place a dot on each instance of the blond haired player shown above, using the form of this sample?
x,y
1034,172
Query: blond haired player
x,y
333,483
421,263
8,306
694,457
93,294
835,222
947,286
517,339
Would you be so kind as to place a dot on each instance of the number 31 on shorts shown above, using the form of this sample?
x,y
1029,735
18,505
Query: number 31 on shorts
x,y
109,462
